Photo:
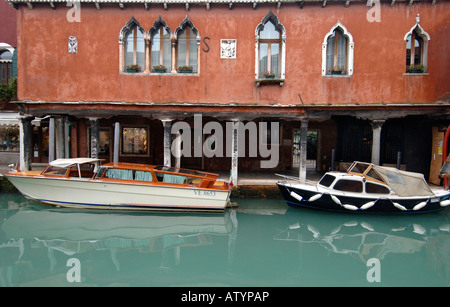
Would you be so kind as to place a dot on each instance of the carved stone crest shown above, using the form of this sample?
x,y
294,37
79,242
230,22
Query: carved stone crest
x,y
72,44
228,48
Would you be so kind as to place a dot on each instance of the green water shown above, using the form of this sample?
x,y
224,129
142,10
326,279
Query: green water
x,y
261,243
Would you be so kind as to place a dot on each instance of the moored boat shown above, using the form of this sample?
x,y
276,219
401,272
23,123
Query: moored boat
x,y
366,187
84,183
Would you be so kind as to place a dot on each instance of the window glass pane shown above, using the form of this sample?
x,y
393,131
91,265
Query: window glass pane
x,y
129,43
359,168
135,48
263,53
134,141
143,176
182,42
348,185
156,46
327,180
274,58
330,53
119,174
167,51
341,51
269,32
192,50
418,51
140,49
6,55
376,188
372,173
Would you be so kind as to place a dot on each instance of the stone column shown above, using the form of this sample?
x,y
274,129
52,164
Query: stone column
x,y
167,125
147,54
303,152
95,136
25,137
234,152
116,142
173,40
60,144
51,139
376,140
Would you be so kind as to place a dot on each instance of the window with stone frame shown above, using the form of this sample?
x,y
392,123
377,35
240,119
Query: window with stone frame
x,y
161,47
187,47
132,47
337,52
270,49
416,49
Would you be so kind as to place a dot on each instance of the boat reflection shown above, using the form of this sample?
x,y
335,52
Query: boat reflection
x,y
364,236
29,227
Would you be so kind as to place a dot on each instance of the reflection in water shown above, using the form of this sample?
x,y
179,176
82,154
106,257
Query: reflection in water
x,y
260,243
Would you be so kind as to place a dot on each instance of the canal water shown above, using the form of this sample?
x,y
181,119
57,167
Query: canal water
x,y
261,243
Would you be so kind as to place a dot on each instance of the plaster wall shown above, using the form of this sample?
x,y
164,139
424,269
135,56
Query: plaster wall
x,y
47,72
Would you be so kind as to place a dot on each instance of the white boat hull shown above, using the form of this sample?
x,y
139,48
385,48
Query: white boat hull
x,y
92,194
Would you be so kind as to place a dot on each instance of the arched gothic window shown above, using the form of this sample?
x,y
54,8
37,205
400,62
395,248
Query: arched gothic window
x,y
132,46
416,49
337,52
161,47
270,38
188,45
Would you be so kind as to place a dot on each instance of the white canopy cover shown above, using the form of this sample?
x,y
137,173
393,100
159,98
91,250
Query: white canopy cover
x,y
69,162
405,184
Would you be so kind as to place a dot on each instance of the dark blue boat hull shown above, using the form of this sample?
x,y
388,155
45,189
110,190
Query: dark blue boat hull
x,y
358,204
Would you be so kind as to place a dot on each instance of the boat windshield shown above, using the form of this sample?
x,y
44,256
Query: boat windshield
x,y
358,168
180,170
55,170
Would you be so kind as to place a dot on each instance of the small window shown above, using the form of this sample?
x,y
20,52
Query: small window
x,y
327,180
143,176
135,141
124,174
395,178
169,178
349,186
376,188
416,49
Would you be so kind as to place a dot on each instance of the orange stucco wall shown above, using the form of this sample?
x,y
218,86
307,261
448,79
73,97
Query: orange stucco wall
x,y
48,72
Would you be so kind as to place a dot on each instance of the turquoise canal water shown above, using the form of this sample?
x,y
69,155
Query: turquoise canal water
x,y
261,243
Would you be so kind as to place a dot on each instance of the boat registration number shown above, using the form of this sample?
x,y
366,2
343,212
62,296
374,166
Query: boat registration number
x,y
204,193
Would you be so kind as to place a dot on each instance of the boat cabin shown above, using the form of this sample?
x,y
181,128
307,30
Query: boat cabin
x,y
373,179
155,174
87,168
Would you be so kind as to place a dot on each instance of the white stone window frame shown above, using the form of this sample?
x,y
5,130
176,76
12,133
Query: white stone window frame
x,y
271,17
425,37
350,50
185,23
122,42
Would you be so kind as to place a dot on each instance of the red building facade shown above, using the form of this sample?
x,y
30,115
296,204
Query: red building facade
x,y
366,77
